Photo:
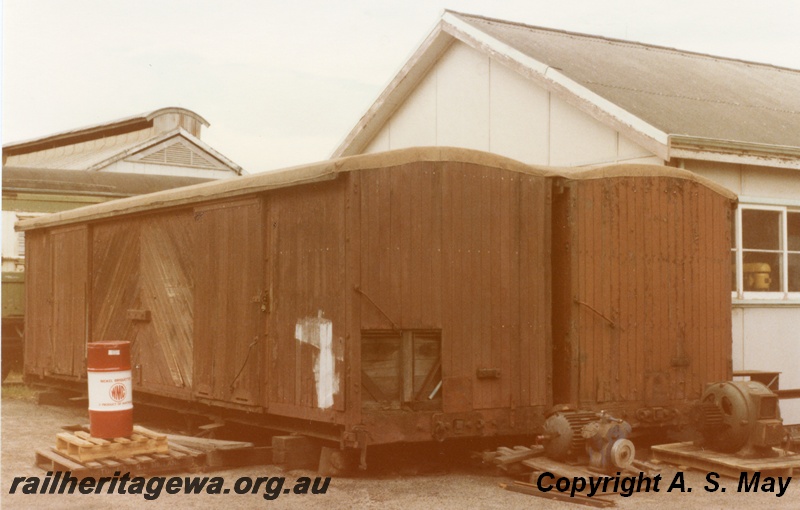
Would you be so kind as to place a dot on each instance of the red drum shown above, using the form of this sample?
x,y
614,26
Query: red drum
x,y
110,389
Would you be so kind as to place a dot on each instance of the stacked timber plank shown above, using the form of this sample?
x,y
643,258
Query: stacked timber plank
x,y
527,462
578,499
511,460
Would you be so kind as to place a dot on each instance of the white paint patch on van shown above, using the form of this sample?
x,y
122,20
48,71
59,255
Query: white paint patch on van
x,y
318,332
325,373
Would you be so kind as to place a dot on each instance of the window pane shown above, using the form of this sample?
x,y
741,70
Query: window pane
x,y
761,271
733,231
427,365
381,367
793,228
794,272
761,229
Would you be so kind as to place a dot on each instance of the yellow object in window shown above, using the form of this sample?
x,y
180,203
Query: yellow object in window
x,y
756,276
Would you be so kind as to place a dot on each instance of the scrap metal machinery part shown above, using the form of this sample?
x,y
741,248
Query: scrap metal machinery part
x,y
740,417
599,436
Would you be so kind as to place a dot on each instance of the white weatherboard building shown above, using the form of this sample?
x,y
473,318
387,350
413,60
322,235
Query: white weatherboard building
x,y
550,97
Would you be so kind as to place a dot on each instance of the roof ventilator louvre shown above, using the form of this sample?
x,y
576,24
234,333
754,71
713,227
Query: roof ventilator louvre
x,y
178,154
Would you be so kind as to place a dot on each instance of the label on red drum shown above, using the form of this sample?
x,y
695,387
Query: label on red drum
x,y
110,391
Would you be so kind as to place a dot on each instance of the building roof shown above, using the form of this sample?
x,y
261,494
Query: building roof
x,y
97,131
104,151
328,170
675,103
95,147
101,184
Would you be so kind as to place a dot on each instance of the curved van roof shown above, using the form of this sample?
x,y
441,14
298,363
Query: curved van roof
x,y
328,170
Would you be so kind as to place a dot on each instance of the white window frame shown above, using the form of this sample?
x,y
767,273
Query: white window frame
x,y
783,243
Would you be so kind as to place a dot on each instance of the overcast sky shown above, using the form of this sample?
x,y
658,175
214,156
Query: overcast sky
x,y
282,82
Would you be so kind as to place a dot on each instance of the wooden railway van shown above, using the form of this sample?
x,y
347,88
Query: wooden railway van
x,y
403,296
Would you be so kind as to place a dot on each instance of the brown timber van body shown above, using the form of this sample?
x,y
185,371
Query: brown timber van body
x,y
402,296
641,291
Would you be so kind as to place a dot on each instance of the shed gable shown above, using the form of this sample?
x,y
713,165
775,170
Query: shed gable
x,y
471,100
177,152
651,95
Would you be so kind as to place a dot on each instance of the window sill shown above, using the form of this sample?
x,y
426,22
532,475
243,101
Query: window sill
x,y
765,303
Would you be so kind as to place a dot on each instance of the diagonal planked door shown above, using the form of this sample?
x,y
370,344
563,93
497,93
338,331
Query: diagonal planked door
x,y
143,291
228,321
164,343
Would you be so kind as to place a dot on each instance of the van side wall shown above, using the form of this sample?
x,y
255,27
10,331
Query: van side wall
x,y
426,299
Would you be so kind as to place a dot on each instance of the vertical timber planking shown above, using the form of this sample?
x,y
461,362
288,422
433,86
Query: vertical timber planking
x,y
228,291
626,268
485,303
356,235
38,302
612,289
70,263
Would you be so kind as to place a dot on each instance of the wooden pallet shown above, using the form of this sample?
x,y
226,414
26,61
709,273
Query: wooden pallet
x,y
692,456
81,447
175,458
144,453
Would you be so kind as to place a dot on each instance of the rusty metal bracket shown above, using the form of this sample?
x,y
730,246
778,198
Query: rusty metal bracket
x,y
244,364
357,437
590,307
139,315
357,288
444,425
488,373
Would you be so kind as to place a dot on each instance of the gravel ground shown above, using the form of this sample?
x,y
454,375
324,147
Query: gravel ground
x,y
27,426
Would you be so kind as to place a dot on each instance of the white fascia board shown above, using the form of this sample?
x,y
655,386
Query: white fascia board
x,y
204,146
591,103
401,85
741,159
780,202
133,150
160,138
